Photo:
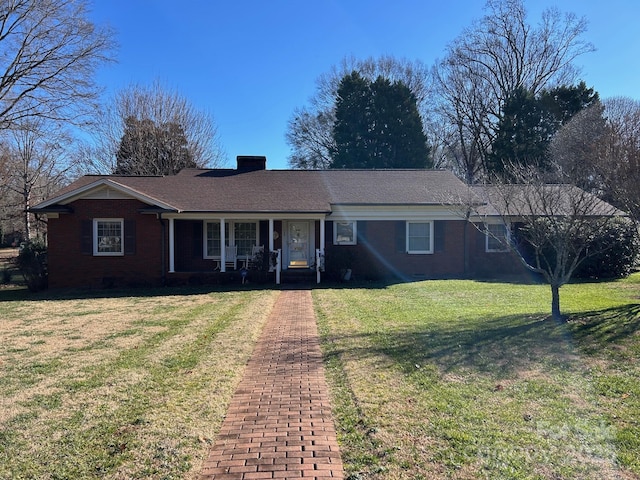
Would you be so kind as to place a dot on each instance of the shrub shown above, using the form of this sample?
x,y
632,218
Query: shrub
x,y
612,253
32,262
618,249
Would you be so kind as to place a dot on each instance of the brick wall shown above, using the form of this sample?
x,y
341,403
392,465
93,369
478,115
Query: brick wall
x,y
69,266
381,253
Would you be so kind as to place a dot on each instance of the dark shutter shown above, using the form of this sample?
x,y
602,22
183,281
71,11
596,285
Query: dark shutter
x,y
129,237
361,228
438,238
196,241
401,232
86,237
328,233
481,238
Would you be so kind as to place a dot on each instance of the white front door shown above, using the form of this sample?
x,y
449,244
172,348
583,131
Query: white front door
x,y
298,244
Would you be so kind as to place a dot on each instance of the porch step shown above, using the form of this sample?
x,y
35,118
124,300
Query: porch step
x,y
298,275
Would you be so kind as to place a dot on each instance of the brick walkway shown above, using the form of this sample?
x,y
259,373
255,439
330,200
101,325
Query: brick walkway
x,y
279,423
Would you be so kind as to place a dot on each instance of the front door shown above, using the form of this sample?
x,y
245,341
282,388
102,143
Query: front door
x,y
298,244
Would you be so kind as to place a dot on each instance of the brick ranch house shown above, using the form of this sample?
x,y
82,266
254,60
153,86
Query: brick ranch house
x,y
114,230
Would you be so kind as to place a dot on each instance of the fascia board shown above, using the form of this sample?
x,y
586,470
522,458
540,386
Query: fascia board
x,y
244,216
392,212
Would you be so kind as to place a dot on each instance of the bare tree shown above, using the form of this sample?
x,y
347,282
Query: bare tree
x,y
599,149
310,135
161,116
35,169
494,57
553,226
578,147
50,52
309,131
619,161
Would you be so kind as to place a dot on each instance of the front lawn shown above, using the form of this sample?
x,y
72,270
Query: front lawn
x,y
120,387
434,379
467,380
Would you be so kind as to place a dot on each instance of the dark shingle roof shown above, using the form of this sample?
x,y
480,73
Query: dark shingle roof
x,y
195,190
316,191
540,200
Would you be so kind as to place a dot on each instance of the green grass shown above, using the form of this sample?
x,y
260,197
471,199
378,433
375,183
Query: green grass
x,y
433,379
120,386
463,379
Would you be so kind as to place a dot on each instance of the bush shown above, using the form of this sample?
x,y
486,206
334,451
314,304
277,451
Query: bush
x,y
612,253
32,262
618,249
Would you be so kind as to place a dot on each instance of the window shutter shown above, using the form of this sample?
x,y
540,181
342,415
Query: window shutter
x,y
362,232
438,239
86,237
481,239
401,232
328,232
129,237
197,247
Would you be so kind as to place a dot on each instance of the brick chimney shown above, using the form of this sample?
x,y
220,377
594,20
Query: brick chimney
x,y
249,163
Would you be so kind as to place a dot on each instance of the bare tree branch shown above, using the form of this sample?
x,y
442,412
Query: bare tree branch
x,y
49,53
488,61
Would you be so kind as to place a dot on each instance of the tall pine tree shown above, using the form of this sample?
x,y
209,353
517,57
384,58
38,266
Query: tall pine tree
x,y
377,126
528,123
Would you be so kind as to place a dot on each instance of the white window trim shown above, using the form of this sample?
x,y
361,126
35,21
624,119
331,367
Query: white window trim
x,y
419,252
229,230
95,237
355,232
488,236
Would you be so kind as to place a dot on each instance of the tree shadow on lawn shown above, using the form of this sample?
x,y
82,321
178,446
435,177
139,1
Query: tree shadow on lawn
x,y
500,347
598,329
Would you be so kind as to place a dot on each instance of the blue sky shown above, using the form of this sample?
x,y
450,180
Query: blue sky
x,y
252,63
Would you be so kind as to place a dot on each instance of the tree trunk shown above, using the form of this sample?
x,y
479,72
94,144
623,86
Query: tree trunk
x,y
26,199
555,302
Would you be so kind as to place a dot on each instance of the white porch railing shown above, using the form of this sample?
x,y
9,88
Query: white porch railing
x,y
278,265
319,263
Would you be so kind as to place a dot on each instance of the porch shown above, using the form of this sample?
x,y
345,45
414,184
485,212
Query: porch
x,y
221,249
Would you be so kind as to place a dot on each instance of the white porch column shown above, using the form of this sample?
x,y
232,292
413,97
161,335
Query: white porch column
x,y
322,234
172,247
270,235
223,250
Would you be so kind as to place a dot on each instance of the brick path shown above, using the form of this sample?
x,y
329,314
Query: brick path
x,y
279,423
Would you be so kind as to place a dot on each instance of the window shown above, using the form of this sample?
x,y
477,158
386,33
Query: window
x,y
344,233
212,240
497,237
245,236
108,236
242,234
419,237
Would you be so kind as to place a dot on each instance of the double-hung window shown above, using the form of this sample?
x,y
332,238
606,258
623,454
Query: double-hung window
x,y
108,236
212,241
245,236
242,234
420,237
344,233
497,237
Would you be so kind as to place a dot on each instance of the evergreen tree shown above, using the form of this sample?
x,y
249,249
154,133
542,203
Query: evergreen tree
x,y
528,123
377,126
